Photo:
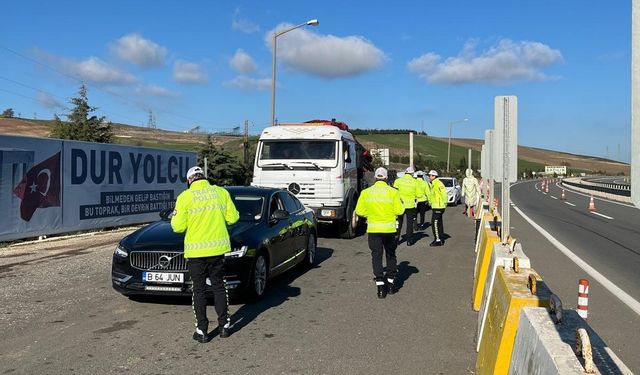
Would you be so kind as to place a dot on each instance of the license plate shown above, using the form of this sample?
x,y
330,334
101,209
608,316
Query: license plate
x,y
163,277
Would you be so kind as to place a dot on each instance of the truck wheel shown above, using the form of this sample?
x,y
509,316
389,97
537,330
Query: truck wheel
x,y
348,229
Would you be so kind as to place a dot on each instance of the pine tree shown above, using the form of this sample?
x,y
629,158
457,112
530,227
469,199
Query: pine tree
x,y
222,168
80,125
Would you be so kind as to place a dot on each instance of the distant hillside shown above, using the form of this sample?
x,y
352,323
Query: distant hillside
x,y
430,148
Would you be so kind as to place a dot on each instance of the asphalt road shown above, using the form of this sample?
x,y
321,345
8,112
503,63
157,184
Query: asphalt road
x,y
59,315
607,239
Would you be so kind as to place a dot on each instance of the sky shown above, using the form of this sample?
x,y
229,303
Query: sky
x,y
374,64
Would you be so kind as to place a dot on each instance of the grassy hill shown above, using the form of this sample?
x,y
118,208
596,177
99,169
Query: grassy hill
x,y
429,148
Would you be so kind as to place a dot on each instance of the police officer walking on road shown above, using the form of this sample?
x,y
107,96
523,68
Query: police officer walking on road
x,y
408,189
380,204
438,200
423,189
203,211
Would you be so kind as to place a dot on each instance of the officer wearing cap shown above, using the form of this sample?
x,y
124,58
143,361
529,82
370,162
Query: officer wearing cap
x,y
380,204
423,189
438,200
409,192
203,212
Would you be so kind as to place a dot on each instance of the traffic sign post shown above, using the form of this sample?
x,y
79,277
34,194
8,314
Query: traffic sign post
x,y
488,144
505,153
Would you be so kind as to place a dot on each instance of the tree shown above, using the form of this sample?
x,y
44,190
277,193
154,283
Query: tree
x,y
80,125
222,168
8,113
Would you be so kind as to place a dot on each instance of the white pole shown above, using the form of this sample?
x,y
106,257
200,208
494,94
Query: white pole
x,y
411,149
469,159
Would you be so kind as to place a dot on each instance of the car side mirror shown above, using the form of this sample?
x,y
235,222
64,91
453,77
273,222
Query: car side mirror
x,y
347,154
166,214
278,215
458,187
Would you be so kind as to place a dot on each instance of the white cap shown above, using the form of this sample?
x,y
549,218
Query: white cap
x,y
381,173
433,173
193,171
419,173
409,170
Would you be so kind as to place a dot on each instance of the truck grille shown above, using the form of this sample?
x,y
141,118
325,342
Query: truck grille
x,y
158,261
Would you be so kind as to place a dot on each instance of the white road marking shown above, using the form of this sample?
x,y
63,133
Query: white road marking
x,y
570,204
610,286
599,214
553,197
594,197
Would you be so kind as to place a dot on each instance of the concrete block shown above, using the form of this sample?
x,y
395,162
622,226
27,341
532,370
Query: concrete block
x,y
509,295
500,257
544,348
483,257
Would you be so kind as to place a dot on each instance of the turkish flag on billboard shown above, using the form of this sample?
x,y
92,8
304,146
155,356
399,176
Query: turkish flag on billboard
x,y
40,187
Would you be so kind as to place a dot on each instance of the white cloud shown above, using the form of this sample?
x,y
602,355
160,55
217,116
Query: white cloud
x,y
138,50
155,90
249,84
326,56
503,63
91,70
242,24
187,72
242,62
47,100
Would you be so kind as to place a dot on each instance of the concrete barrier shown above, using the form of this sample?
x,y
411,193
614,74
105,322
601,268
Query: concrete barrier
x,y
509,295
501,256
486,241
544,348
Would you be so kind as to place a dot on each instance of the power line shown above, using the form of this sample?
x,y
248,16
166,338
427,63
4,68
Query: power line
x,y
125,100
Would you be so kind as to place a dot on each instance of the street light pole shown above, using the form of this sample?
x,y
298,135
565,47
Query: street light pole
x,y
314,22
449,145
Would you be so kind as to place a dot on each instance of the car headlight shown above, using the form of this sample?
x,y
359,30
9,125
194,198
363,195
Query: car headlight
x,y
237,252
121,252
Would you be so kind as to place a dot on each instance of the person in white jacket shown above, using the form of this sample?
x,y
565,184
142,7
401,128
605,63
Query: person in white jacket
x,y
470,192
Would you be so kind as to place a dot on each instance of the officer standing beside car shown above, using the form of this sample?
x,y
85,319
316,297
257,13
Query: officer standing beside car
x,y
408,189
380,204
203,212
438,200
423,189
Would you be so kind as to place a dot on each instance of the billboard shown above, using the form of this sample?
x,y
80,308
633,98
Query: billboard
x,y
54,186
551,169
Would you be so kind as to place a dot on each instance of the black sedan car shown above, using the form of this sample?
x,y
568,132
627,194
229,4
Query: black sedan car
x,y
275,232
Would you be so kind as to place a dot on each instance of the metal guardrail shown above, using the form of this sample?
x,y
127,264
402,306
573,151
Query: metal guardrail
x,y
618,189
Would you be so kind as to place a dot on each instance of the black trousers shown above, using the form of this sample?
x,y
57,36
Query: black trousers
x,y
436,223
410,213
213,268
421,211
377,243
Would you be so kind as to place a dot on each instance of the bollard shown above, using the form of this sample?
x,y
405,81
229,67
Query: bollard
x,y
583,298
563,196
592,204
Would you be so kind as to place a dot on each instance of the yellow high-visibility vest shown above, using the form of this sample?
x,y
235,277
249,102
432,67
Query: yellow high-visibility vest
x,y
423,189
380,204
204,211
408,189
438,195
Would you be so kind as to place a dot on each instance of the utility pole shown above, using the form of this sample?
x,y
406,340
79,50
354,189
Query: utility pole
x,y
246,142
151,124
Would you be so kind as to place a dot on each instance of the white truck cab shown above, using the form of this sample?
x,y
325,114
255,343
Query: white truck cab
x,y
318,162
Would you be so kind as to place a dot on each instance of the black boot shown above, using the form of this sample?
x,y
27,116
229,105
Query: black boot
x,y
382,289
201,336
224,331
391,286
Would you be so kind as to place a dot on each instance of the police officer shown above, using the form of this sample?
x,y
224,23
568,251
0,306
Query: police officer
x,y
203,211
380,204
438,200
421,209
408,189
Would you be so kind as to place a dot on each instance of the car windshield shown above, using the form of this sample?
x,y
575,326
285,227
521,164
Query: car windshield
x,y
299,150
447,182
250,207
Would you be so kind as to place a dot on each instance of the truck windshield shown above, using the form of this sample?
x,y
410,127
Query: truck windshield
x,y
299,150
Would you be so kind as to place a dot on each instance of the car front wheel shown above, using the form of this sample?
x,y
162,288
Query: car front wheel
x,y
310,256
259,274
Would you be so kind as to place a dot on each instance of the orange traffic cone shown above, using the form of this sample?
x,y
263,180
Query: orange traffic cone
x,y
562,196
592,205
